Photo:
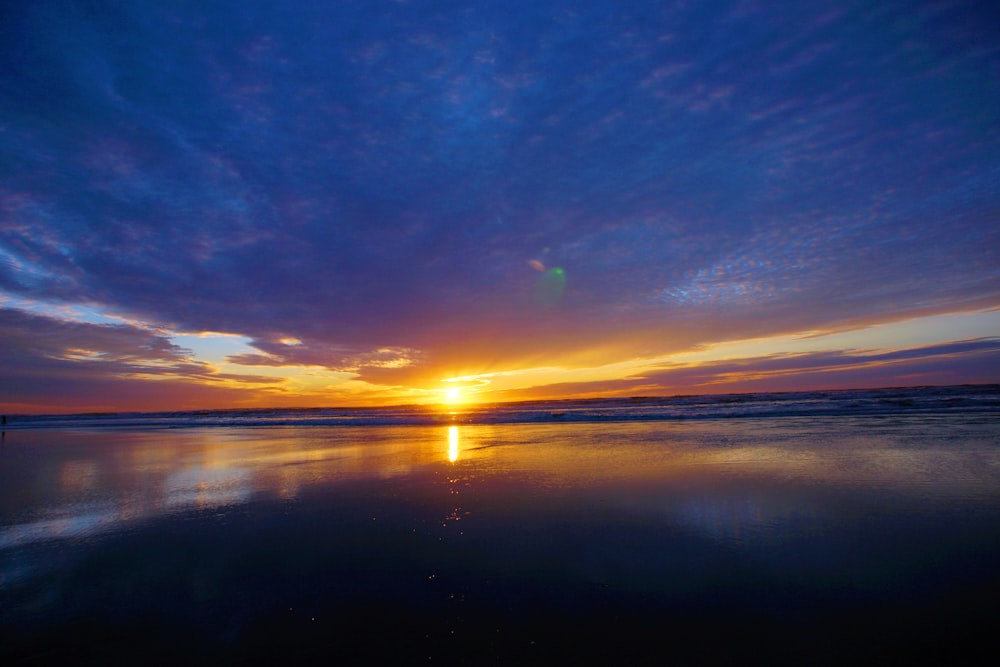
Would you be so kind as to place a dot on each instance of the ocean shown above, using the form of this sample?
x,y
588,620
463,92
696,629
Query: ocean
x,y
871,402
768,528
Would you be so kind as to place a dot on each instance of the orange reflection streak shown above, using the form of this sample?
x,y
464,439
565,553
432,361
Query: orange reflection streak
x,y
452,443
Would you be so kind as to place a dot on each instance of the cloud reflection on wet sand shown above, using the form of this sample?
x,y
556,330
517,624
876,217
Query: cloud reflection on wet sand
x,y
78,484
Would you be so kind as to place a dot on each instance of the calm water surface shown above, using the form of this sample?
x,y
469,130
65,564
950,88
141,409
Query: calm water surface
x,y
814,539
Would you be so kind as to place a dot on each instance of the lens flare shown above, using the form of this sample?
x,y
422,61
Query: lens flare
x,y
550,286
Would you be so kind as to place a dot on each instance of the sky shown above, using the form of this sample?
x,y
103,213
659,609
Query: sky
x,y
240,204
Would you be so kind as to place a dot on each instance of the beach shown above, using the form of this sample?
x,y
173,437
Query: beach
x,y
816,538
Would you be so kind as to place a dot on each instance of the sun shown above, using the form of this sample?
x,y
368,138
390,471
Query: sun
x,y
453,395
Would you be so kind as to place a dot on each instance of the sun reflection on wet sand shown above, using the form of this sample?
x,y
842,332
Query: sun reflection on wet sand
x,y
452,443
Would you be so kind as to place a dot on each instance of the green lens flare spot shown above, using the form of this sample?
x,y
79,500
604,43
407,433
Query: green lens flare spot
x,y
550,286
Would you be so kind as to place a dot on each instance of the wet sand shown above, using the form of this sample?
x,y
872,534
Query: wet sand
x,y
817,540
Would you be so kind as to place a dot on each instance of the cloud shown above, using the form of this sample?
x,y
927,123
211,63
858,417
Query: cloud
x,y
971,361
56,363
284,352
978,360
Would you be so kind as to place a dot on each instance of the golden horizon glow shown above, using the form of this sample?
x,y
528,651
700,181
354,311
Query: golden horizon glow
x,y
224,382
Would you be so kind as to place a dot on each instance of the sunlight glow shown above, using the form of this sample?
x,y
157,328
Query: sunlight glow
x,y
453,395
517,383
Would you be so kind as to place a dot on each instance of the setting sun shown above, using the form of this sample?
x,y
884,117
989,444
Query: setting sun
x,y
453,395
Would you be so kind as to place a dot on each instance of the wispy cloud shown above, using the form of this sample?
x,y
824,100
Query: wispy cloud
x,y
60,364
975,361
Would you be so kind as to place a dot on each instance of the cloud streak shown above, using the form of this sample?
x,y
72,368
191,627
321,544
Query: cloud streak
x,y
62,365
974,361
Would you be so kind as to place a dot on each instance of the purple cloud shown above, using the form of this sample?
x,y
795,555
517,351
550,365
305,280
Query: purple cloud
x,y
77,365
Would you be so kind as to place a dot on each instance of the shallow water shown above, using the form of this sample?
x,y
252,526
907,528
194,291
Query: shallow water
x,y
799,538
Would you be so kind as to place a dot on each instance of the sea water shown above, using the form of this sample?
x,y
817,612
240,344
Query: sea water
x,y
766,528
